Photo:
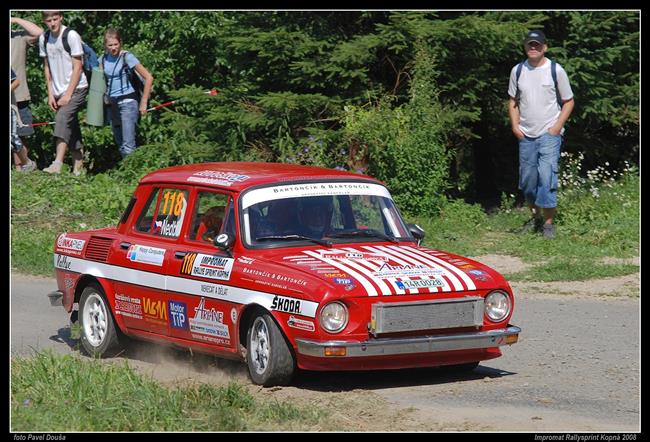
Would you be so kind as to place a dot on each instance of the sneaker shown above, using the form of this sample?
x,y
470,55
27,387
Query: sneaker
x,y
55,167
549,231
79,172
532,225
28,167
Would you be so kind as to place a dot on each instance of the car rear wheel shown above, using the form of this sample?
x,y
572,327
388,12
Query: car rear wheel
x,y
270,361
99,337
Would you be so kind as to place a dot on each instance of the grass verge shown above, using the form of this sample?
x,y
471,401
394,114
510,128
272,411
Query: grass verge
x,y
52,392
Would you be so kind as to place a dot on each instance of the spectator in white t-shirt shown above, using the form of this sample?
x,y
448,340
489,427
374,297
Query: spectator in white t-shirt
x,y
538,107
67,87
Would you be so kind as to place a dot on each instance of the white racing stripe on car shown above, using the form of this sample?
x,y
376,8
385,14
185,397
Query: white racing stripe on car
x,y
393,258
466,279
392,280
417,260
397,259
182,285
368,268
370,289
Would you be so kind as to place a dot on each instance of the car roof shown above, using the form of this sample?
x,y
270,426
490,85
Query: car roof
x,y
238,176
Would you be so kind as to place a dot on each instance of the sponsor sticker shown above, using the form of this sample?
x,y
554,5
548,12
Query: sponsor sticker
x,y
216,177
125,305
146,255
287,305
356,255
207,266
168,228
478,274
272,276
301,324
401,271
154,310
208,321
71,245
178,315
343,281
62,262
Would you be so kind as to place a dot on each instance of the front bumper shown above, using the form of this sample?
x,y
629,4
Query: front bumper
x,y
410,345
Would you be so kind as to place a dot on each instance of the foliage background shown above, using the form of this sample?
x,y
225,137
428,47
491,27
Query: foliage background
x,y
417,99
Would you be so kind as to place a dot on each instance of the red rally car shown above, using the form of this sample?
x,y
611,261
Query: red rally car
x,y
284,267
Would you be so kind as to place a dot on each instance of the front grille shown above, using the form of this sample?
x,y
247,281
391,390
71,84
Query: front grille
x,y
397,317
98,248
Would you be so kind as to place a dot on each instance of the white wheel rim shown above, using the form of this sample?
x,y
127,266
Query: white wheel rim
x,y
94,320
260,346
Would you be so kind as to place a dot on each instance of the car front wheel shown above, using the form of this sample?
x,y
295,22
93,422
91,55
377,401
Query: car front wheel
x,y
99,337
270,361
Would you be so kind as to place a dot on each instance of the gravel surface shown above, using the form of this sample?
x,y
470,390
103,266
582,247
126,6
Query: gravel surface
x,y
576,367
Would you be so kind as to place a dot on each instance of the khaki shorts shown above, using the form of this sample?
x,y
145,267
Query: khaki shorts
x,y
67,121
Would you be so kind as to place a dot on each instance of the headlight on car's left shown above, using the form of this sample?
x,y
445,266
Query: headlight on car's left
x,y
334,317
497,305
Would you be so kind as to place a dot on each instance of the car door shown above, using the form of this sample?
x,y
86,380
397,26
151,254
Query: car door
x,y
199,282
144,255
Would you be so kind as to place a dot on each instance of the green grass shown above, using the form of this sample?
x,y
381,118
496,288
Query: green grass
x,y
588,229
590,226
52,392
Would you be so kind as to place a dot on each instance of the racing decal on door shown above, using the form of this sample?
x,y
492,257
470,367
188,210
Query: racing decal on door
x,y
207,266
146,255
207,325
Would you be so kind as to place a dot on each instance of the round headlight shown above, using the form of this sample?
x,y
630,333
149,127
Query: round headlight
x,y
334,317
497,306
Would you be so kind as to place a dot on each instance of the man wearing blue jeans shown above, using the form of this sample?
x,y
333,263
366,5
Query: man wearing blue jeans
x,y
538,107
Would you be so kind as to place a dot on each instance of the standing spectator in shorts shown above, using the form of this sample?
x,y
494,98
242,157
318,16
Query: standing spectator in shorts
x,y
125,108
16,144
67,87
540,103
20,40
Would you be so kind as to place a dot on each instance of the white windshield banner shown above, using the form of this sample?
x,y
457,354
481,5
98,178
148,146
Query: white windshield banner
x,y
312,189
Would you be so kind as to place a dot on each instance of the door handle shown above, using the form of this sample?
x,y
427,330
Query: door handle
x,y
180,255
125,245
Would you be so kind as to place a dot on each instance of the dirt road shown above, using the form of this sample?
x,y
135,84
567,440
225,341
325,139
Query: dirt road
x,y
575,368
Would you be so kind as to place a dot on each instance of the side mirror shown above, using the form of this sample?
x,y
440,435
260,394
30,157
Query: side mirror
x,y
416,231
224,241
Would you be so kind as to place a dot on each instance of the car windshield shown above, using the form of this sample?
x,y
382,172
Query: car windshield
x,y
320,213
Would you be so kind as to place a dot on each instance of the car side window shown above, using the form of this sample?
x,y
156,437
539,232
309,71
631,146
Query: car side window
x,y
164,212
210,216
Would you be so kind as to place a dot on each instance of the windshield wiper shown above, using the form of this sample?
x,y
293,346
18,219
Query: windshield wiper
x,y
363,232
322,242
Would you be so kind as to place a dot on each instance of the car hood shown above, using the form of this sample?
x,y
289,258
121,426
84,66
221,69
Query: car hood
x,y
388,269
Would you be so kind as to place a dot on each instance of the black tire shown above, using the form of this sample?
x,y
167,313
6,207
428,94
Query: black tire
x,y
269,359
99,336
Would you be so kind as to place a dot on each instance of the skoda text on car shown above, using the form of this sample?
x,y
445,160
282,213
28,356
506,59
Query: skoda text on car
x,y
284,267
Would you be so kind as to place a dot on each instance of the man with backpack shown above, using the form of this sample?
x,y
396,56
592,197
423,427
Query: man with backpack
x,y
67,87
541,101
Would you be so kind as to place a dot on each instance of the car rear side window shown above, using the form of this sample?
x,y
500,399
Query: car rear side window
x,y
211,216
164,212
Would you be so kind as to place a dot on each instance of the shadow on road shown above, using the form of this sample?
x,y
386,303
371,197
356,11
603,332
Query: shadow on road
x,y
64,336
376,380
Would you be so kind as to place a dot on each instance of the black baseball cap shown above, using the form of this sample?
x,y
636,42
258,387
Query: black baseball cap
x,y
537,36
